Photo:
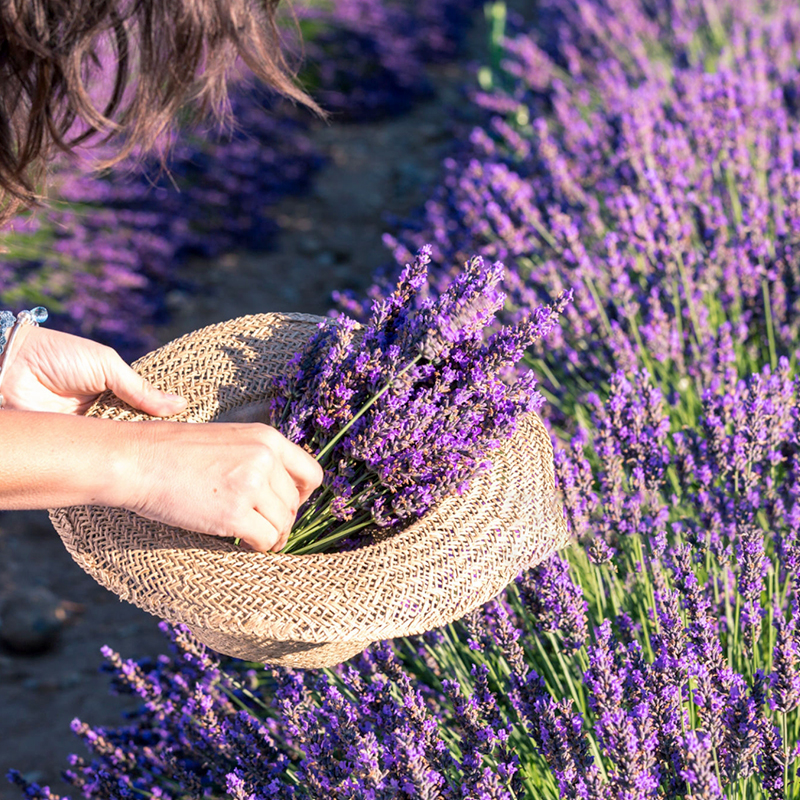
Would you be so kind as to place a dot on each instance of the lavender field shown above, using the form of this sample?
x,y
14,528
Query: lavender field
x,y
644,155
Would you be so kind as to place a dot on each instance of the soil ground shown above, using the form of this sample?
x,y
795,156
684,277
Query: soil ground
x,y
330,239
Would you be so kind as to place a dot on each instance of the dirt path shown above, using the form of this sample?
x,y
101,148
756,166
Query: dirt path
x,y
331,239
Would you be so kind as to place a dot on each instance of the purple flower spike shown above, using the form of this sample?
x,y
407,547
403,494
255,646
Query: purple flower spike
x,y
785,678
555,601
697,767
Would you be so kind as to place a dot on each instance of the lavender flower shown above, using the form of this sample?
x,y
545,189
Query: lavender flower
x,y
785,678
697,769
565,748
554,601
409,409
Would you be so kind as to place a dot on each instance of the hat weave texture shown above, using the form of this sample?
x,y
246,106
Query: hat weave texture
x,y
311,610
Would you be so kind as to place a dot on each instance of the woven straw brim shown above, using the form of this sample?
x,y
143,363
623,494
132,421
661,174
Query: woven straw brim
x,y
312,610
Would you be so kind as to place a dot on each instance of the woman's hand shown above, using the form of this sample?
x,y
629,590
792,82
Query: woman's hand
x,y
52,371
224,479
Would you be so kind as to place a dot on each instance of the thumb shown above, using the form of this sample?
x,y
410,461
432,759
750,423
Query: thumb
x,y
131,387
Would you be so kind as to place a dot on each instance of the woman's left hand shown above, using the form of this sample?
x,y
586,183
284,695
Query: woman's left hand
x,y
58,372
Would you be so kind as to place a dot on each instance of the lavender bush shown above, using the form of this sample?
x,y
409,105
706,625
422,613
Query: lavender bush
x,y
104,257
661,660
366,60
648,159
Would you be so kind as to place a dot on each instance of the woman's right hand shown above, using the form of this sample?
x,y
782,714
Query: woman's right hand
x,y
223,479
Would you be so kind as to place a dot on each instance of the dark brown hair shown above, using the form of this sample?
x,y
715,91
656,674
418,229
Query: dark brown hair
x,y
151,58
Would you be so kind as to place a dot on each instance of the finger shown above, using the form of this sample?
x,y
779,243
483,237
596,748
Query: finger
x,y
284,487
279,514
302,467
131,387
257,532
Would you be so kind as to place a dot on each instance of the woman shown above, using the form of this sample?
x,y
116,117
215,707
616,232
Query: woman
x,y
75,71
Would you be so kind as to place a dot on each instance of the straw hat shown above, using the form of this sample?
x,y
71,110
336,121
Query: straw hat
x,y
311,610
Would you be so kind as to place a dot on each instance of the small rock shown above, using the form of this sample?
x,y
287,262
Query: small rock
x,y
30,619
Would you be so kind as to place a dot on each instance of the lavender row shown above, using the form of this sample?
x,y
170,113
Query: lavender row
x,y
104,257
366,60
647,157
650,161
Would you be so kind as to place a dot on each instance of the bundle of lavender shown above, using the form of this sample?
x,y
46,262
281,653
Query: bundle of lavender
x,y
407,409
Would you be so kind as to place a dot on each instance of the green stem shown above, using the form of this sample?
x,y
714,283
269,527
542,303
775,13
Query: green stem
x,y
737,614
576,689
321,544
733,194
649,591
773,358
315,528
784,734
328,447
544,659
690,302
731,638
243,689
600,307
797,760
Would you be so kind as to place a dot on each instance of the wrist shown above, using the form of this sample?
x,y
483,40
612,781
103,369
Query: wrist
x,y
12,328
131,456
